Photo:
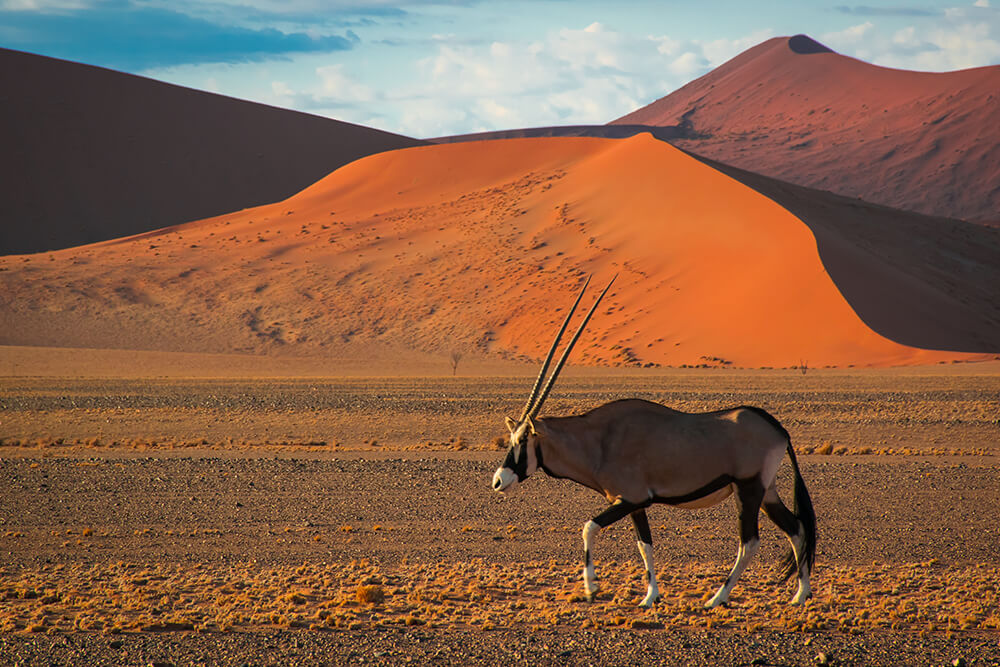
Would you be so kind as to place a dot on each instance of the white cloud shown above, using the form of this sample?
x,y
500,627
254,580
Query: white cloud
x,y
43,5
849,37
336,84
720,50
963,37
571,76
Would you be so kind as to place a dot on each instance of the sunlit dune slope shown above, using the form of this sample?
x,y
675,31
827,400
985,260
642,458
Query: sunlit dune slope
x,y
478,247
792,109
89,154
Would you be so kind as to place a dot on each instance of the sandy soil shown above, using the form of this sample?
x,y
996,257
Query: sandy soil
x,y
220,549
792,109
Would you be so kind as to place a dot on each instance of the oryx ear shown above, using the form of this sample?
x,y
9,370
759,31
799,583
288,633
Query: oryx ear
x,y
531,426
511,424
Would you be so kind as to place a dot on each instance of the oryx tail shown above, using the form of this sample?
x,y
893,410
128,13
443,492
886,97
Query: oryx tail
x,y
802,508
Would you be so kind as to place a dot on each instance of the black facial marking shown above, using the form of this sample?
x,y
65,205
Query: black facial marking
x,y
520,466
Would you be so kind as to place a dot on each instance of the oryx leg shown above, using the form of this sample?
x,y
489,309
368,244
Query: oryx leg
x,y
793,528
617,511
645,538
749,495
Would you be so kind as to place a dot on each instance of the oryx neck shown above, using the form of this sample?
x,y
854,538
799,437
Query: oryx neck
x,y
566,452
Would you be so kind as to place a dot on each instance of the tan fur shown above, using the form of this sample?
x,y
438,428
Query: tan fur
x,y
634,450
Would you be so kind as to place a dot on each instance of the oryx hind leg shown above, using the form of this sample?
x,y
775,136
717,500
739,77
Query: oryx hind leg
x,y
645,539
789,524
749,495
616,512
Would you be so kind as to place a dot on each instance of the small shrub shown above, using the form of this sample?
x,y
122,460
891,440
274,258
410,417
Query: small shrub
x,y
369,594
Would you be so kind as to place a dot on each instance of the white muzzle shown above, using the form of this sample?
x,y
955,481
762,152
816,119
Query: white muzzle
x,y
503,479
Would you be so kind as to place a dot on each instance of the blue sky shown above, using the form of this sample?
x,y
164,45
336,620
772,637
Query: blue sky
x,y
426,68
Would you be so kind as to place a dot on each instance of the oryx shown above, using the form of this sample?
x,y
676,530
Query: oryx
x,y
636,453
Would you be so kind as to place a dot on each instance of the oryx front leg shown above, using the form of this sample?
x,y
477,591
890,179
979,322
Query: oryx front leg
x,y
590,529
645,541
748,499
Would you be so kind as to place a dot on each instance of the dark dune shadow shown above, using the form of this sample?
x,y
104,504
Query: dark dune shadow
x,y
805,45
91,154
663,133
918,280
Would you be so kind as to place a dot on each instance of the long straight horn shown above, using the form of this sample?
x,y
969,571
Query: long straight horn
x,y
569,348
552,351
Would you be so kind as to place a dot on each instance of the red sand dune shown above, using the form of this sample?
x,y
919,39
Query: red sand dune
x,y
792,109
90,154
481,246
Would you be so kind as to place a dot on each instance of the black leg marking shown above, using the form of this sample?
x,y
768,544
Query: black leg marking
x,y
641,524
789,524
749,496
782,517
616,512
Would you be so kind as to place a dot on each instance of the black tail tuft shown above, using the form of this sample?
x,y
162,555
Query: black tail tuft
x,y
802,508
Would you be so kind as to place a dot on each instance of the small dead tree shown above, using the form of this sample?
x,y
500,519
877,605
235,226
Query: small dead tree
x,y
456,357
803,367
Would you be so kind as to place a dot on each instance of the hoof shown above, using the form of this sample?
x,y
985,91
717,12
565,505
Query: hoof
x,y
648,604
713,603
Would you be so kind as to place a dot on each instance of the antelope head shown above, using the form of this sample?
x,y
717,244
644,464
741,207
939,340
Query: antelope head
x,y
522,457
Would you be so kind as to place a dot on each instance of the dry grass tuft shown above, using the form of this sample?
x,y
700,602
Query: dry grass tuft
x,y
926,597
369,594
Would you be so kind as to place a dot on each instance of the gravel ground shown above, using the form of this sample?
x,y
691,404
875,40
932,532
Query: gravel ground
x,y
440,507
585,647
437,508
145,502
918,413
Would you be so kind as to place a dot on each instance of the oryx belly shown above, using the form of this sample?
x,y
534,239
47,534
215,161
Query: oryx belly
x,y
712,498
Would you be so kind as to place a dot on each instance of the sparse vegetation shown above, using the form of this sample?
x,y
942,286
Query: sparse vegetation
x,y
924,597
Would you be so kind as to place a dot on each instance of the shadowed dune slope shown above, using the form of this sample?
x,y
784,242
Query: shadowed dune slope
x,y
91,154
604,131
480,246
792,109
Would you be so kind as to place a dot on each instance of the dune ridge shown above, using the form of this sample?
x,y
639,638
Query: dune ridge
x,y
478,247
792,109
91,154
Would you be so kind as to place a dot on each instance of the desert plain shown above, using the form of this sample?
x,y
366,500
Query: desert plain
x,y
259,516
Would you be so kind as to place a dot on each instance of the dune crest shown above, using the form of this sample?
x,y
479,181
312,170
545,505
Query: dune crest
x,y
792,109
475,246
